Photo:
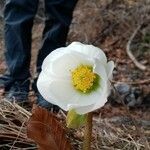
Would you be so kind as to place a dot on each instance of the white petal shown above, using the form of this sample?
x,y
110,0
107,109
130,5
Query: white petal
x,y
55,85
103,98
88,50
63,64
109,68
93,97
43,85
87,101
53,56
100,69
101,102
66,96
108,88
64,93
58,92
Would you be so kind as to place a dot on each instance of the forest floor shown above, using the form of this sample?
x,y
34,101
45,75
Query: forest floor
x,y
120,28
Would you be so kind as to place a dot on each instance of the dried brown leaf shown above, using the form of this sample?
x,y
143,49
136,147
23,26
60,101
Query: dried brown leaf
x,y
44,128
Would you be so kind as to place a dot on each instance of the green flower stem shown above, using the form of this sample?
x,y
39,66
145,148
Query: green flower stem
x,y
88,132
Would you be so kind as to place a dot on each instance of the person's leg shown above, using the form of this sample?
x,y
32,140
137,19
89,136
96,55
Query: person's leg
x,y
18,17
58,19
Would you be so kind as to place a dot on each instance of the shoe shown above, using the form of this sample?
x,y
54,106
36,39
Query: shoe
x,y
19,91
43,103
6,81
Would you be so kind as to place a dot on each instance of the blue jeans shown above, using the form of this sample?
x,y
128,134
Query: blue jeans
x,y
19,16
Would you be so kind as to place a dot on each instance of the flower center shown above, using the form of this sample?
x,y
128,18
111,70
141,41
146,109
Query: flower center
x,y
83,78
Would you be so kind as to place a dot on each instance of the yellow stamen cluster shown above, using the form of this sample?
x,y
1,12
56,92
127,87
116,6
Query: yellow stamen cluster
x,y
83,78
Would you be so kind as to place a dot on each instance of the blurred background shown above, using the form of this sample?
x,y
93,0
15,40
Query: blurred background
x,y
122,29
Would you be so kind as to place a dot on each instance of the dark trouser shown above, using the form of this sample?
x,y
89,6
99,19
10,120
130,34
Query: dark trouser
x,y
19,15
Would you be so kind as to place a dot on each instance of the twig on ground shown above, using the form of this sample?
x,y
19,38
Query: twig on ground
x,y
17,136
22,110
13,119
138,129
146,81
137,64
62,113
126,121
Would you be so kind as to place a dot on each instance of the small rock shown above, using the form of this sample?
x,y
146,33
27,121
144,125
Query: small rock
x,y
122,88
124,92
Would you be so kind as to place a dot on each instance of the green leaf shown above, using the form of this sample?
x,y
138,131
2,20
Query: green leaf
x,y
75,120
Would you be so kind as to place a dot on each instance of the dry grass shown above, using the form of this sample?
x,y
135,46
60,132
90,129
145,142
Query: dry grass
x,y
118,137
13,119
107,24
107,134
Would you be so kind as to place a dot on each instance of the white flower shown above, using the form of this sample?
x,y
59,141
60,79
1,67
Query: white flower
x,y
76,77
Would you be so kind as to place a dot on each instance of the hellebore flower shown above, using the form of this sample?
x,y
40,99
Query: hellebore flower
x,y
76,77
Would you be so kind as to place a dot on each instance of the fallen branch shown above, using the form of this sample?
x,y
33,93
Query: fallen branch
x,y
137,64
